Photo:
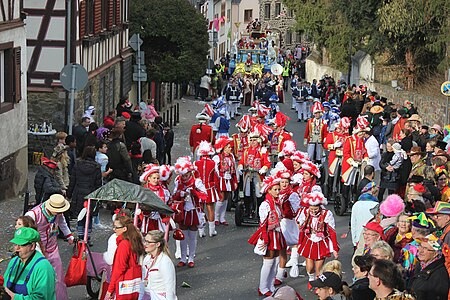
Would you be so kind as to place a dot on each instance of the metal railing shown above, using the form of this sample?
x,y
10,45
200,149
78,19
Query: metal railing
x,y
172,115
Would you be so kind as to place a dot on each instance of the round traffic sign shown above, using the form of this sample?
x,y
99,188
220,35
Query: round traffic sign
x,y
445,88
76,71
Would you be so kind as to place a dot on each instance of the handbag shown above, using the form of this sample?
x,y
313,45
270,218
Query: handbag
x,y
76,273
131,282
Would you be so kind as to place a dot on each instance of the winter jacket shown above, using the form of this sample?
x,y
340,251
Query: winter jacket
x,y
86,178
432,282
133,132
119,160
45,185
361,291
388,178
433,192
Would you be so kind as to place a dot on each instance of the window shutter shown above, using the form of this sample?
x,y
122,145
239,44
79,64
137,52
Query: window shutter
x,y
17,75
82,19
97,16
118,18
110,13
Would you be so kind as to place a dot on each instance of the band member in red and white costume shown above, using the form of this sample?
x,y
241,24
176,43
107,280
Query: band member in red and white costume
x,y
188,194
165,175
280,134
254,159
206,171
354,153
334,143
228,180
317,239
270,235
241,139
311,174
315,133
153,220
200,132
289,202
288,147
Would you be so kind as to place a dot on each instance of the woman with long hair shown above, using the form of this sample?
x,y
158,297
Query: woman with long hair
x,y
158,271
126,269
268,239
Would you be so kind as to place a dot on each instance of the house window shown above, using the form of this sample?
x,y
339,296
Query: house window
x,y
105,11
277,9
10,76
288,37
290,13
267,11
90,17
248,15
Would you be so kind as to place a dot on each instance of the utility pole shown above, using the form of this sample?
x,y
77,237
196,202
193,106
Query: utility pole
x,y
68,57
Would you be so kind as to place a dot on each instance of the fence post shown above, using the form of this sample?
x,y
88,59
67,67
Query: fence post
x,y
178,113
171,116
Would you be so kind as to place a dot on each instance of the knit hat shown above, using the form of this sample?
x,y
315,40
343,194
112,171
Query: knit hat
x,y
205,148
149,170
184,165
392,206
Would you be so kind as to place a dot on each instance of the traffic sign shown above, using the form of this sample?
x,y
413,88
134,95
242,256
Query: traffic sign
x,y
445,88
142,78
135,41
76,72
136,68
140,57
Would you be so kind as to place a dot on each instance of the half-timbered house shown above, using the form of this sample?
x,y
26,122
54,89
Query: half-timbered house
x,y
13,100
98,39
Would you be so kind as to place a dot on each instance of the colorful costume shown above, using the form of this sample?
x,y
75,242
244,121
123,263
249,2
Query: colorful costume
x,y
315,133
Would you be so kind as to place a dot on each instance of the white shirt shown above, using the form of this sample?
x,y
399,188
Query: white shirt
x,y
159,276
373,152
360,216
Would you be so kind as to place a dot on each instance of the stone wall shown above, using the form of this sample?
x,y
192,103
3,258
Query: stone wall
x,y
315,70
281,24
432,109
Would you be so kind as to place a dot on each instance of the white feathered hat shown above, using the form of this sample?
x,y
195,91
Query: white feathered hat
x,y
315,198
149,170
184,165
205,148
165,171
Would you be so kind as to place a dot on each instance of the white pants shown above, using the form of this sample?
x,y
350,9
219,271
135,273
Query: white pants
x,y
233,108
308,108
301,110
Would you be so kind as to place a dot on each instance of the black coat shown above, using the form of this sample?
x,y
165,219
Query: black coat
x,y
133,132
168,140
119,160
388,179
160,144
432,282
86,177
45,185
434,192
407,143
361,291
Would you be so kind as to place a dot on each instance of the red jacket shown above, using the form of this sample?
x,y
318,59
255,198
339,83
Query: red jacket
x,y
200,132
309,128
122,258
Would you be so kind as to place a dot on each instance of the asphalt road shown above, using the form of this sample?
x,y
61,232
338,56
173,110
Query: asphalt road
x,y
225,265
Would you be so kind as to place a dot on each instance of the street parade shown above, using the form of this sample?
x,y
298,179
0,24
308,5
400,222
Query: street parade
x,y
281,181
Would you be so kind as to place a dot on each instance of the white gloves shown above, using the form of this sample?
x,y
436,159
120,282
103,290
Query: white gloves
x,y
227,176
240,168
262,170
355,164
337,144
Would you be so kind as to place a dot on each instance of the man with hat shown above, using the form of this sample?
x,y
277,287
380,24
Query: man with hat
x,y
45,183
133,130
315,133
328,285
440,213
29,275
280,135
200,132
48,217
417,158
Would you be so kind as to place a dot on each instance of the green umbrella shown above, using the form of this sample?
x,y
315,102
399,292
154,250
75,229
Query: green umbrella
x,y
124,191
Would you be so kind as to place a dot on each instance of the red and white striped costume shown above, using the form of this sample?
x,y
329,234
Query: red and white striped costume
x,y
290,204
269,225
186,198
226,170
206,172
317,238
153,220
